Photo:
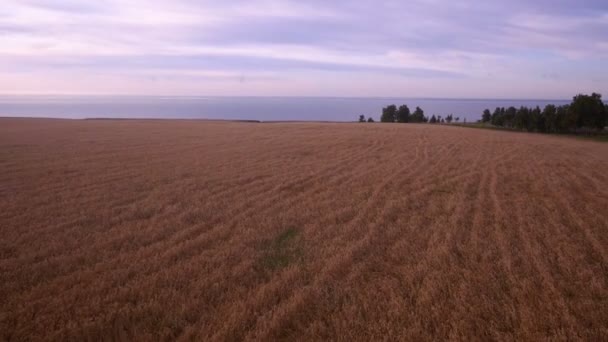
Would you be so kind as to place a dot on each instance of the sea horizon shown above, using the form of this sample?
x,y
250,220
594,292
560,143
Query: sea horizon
x,y
291,96
252,108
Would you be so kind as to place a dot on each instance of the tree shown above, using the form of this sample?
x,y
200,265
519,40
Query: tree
x,y
389,114
418,116
534,119
449,118
433,119
486,116
570,120
540,120
589,111
457,118
370,119
562,118
509,117
497,118
403,114
361,118
549,114
522,118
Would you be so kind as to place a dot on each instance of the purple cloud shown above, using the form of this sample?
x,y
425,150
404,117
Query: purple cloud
x,y
423,47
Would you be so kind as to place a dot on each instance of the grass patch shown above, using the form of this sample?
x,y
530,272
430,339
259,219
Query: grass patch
x,y
602,138
281,251
594,137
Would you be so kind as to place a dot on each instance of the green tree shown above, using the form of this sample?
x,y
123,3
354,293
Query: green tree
x,y
522,118
361,118
497,119
562,117
571,119
433,119
589,111
389,114
486,116
509,117
403,113
418,116
535,118
550,117
370,119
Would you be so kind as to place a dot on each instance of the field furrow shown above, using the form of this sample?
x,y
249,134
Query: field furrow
x,y
201,230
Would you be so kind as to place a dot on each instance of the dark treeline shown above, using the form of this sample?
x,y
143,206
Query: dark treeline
x,y
586,113
403,114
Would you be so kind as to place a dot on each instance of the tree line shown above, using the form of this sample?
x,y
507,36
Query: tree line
x,y
584,114
403,114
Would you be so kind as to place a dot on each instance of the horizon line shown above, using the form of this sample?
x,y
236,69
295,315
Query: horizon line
x,y
291,96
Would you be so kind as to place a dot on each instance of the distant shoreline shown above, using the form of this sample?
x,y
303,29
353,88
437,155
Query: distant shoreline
x,y
264,109
168,119
199,97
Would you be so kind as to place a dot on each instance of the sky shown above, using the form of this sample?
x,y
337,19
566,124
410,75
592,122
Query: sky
x,y
548,49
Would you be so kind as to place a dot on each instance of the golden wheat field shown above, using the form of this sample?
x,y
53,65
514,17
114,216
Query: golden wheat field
x,y
195,230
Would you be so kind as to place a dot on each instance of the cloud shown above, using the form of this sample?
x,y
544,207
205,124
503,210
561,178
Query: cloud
x,y
445,42
69,6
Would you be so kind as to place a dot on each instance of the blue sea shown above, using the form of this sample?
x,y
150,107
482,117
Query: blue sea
x,y
244,108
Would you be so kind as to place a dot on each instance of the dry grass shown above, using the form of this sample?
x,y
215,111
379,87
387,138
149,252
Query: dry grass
x,y
221,231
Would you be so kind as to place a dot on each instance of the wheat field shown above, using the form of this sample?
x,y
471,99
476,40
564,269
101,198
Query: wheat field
x,y
196,230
